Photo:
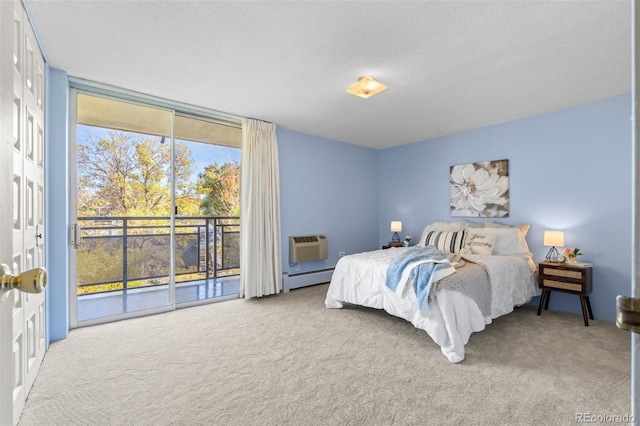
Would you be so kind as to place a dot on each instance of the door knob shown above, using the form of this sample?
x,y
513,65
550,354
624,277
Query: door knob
x,y
628,313
31,281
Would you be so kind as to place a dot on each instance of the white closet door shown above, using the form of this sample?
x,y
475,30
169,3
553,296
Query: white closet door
x,y
22,315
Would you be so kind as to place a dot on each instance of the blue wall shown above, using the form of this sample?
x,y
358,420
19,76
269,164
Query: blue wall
x,y
569,170
57,202
330,188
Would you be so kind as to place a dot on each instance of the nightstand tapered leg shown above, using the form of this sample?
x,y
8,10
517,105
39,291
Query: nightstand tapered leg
x,y
584,311
589,307
546,302
542,298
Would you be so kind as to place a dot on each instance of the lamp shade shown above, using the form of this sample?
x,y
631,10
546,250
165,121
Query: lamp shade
x,y
396,226
554,238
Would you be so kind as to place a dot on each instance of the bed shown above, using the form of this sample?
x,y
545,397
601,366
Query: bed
x,y
448,315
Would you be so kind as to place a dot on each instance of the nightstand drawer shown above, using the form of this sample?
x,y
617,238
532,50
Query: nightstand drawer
x,y
576,275
577,287
565,277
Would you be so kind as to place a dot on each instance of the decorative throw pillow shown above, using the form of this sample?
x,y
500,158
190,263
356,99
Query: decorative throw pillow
x,y
478,242
437,226
509,243
446,241
524,228
446,226
423,237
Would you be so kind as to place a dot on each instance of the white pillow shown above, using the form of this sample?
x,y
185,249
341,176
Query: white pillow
x,y
510,242
524,228
446,241
456,226
448,226
471,224
479,242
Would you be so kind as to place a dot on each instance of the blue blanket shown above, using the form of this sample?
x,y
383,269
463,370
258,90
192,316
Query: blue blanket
x,y
421,274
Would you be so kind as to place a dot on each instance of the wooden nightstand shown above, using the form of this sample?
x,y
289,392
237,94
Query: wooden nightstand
x,y
392,244
567,278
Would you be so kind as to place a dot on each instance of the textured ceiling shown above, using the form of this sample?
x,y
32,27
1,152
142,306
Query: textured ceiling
x,y
450,66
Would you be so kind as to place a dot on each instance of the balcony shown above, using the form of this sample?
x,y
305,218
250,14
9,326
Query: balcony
x,y
123,263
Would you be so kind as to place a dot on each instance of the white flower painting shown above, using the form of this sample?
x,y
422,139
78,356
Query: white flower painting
x,y
480,189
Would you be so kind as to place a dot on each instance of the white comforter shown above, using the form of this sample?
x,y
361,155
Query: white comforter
x,y
451,317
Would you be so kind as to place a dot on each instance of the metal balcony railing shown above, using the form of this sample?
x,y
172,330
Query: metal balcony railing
x,y
124,253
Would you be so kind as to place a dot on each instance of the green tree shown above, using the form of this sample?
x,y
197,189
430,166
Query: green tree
x,y
127,174
219,186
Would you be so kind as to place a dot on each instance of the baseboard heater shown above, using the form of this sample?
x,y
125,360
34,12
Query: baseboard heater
x,y
303,279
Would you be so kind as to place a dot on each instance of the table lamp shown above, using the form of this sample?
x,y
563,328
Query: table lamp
x,y
396,226
553,239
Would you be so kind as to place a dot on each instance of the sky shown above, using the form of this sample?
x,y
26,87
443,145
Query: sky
x,y
204,154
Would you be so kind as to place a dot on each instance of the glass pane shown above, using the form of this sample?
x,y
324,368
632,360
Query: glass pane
x,y
124,207
207,196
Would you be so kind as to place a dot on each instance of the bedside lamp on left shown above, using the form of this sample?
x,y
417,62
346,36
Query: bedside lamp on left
x,y
396,226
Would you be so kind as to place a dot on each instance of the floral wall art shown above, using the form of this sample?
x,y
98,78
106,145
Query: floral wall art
x,y
480,189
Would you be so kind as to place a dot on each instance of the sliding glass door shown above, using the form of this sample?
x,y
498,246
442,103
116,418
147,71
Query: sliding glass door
x,y
122,232
156,213
207,211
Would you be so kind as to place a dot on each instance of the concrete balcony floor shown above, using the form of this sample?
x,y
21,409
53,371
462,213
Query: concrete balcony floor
x,y
99,305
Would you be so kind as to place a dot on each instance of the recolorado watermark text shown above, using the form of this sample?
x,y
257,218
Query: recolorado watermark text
x,y
604,418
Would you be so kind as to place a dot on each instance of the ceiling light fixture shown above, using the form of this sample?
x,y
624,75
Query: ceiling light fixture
x,y
366,87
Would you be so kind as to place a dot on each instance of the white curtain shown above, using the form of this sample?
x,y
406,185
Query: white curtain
x,y
260,246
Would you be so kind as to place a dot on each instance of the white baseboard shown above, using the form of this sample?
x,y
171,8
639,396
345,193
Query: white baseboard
x,y
303,279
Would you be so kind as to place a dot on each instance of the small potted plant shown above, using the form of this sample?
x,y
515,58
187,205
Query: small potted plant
x,y
572,254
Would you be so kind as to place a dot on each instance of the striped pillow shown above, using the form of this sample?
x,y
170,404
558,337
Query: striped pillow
x,y
447,241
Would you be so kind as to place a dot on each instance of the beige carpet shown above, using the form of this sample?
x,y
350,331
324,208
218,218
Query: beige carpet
x,y
286,360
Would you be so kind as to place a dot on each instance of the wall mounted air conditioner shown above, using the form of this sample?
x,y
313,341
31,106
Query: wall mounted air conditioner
x,y
307,248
